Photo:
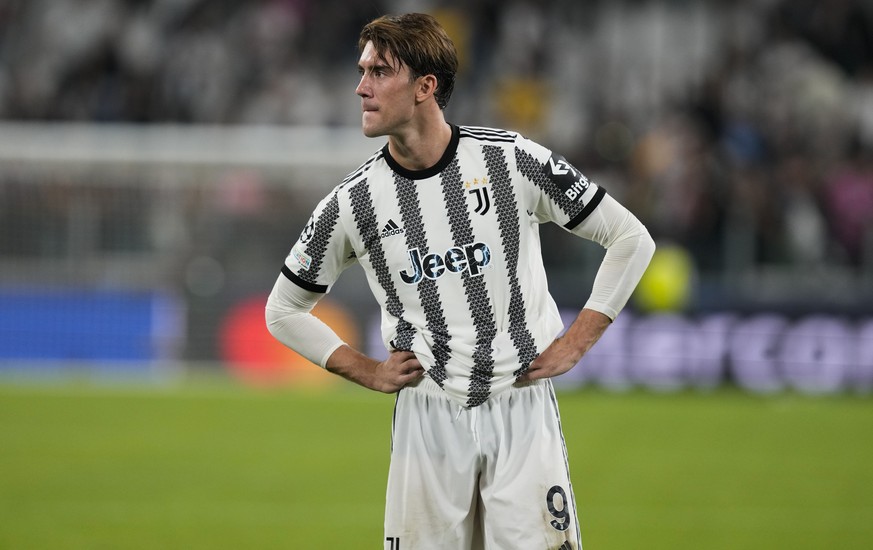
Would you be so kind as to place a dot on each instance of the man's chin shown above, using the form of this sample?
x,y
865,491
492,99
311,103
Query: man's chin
x,y
372,131
370,126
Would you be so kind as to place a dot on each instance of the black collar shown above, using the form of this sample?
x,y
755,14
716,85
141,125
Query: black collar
x,y
444,161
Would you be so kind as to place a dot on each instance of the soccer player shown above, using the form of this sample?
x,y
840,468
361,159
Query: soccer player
x,y
444,221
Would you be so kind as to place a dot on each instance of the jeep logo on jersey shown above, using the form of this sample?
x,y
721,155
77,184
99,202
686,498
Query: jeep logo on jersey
x,y
471,258
570,181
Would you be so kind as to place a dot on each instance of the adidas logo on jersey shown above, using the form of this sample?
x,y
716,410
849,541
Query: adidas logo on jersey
x,y
391,228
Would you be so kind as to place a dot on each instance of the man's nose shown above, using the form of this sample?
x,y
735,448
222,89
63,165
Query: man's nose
x,y
363,89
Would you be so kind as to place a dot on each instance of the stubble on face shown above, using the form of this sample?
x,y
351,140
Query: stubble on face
x,y
386,94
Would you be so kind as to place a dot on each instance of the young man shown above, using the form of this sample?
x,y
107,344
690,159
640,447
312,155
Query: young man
x,y
444,221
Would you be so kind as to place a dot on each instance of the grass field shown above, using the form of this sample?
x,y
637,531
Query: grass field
x,y
216,466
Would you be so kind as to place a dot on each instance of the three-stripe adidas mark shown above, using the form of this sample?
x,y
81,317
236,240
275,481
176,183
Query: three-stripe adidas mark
x,y
391,228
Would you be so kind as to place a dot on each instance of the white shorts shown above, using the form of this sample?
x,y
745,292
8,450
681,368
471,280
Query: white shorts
x,y
492,477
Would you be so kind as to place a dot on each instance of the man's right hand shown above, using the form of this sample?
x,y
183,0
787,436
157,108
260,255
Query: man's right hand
x,y
400,369
389,376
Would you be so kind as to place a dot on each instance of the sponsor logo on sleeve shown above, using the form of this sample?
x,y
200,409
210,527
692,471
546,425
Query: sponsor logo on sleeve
x,y
569,180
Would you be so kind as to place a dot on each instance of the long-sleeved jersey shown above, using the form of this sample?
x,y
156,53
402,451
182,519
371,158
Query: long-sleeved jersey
x,y
452,253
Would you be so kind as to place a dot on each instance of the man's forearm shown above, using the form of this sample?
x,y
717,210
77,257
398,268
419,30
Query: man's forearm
x,y
566,350
389,376
352,365
585,331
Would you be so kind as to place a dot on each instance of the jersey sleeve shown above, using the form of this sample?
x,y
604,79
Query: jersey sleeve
x,y
289,319
560,193
323,249
563,195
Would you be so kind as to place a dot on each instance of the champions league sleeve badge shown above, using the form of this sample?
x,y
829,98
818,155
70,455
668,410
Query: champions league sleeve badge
x,y
308,231
298,251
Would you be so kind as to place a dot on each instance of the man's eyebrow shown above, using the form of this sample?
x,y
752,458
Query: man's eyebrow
x,y
380,64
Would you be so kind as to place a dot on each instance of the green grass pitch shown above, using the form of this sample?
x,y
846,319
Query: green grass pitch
x,y
197,466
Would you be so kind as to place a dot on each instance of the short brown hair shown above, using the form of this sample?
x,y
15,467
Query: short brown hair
x,y
418,41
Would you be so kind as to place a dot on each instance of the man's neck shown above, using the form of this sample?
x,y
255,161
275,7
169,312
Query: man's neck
x,y
421,147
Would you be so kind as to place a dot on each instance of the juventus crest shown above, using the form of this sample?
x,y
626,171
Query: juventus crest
x,y
479,188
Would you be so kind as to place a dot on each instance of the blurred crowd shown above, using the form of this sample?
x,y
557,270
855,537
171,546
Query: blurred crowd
x,y
741,130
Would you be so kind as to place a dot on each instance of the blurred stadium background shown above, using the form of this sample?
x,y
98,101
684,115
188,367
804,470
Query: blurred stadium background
x,y
158,158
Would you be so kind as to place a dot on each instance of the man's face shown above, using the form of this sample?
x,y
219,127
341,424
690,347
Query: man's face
x,y
387,93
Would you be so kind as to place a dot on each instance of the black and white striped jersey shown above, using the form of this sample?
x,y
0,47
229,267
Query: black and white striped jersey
x,y
452,253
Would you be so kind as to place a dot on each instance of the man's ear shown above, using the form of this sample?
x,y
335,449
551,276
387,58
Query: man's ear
x,y
426,87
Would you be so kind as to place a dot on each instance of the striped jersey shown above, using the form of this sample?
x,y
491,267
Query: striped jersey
x,y
452,253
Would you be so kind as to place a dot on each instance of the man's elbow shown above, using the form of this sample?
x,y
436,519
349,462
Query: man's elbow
x,y
647,243
274,322
637,240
